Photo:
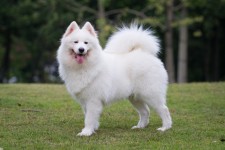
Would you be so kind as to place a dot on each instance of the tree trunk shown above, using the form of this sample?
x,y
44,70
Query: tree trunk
x,y
169,41
101,22
183,50
216,49
4,72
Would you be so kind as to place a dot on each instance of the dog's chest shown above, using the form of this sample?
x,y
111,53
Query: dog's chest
x,y
77,81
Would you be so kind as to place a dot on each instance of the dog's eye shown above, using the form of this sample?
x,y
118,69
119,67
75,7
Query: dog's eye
x,y
85,42
75,41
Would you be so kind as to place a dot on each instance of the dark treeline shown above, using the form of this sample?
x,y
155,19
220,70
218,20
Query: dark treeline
x,y
192,34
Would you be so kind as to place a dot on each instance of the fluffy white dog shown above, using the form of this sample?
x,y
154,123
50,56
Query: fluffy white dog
x,y
127,68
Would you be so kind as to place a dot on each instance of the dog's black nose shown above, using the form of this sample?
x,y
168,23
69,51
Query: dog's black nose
x,y
81,50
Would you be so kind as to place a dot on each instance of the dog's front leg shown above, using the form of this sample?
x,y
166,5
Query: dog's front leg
x,y
92,111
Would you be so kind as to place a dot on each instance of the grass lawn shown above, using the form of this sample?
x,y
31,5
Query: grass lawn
x,y
44,116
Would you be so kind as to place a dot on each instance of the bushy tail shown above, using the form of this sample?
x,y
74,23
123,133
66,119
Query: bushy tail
x,y
127,39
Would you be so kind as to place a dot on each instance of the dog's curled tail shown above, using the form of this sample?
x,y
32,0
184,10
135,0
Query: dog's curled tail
x,y
128,39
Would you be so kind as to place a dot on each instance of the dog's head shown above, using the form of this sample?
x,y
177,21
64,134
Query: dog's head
x,y
78,44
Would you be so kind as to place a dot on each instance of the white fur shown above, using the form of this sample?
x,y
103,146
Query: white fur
x,y
133,38
128,68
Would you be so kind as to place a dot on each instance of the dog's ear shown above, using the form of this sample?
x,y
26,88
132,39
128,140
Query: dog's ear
x,y
87,26
72,27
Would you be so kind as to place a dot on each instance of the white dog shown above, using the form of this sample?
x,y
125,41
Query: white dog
x,y
127,68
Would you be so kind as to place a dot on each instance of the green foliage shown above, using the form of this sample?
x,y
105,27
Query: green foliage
x,y
43,116
37,26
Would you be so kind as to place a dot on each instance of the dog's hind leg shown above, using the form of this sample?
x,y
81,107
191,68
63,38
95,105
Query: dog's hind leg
x,y
143,112
163,111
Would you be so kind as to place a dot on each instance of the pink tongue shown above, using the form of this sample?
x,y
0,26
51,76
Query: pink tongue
x,y
80,59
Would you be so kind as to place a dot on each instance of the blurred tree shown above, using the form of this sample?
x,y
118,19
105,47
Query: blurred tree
x,y
7,28
183,46
206,41
169,41
101,21
30,34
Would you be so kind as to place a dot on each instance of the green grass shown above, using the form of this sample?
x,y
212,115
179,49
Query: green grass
x,y
43,116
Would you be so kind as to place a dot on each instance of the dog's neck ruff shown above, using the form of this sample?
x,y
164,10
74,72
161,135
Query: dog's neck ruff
x,y
78,80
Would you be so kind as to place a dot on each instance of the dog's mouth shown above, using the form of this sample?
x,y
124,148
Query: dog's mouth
x,y
80,58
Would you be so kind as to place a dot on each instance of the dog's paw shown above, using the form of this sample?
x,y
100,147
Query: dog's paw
x,y
163,129
86,132
140,125
96,126
137,127
134,127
